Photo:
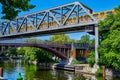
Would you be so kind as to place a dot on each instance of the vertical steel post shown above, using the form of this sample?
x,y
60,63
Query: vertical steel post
x,y
64,52
73,51
0,48
96,43
61,15
72,46
9,28
17,25
48,19
36,21
1,72
2,28
77,14
26,25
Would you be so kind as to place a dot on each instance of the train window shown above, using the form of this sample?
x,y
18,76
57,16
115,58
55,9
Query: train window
x,y
95,15
102,13
109,12
86,17
113,11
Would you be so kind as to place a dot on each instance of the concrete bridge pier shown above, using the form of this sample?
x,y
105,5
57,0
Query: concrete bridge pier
x,y
96,43
0,48
67,52
85,53
77,53
1,72
72,54
96,66
64,51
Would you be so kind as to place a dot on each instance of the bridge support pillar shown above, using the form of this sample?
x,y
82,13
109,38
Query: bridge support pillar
x,y
96,66
64,51
96,43
73,54
1,72
85,53
73,51
77,53
0,48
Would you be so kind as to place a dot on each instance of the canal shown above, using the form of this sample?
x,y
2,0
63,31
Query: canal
x,y
32,72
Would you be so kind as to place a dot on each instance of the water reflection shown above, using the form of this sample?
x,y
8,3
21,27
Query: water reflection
x,y
31,72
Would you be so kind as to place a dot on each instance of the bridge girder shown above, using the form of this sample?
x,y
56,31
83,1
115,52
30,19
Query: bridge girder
x,y
49,21
59,50
10,46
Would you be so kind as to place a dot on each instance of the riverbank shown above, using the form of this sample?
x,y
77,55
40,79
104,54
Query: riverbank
x,y
86,69
32,72
81,68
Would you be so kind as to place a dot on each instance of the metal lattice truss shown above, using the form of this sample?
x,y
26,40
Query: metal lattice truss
x,y
59,19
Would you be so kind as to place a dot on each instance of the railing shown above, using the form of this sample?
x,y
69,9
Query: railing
x,y
80,46
98,16
62,17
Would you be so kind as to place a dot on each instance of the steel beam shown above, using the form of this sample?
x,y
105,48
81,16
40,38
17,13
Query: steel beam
x,y
96,43
69,14
54,18
42,20
60,14
85,10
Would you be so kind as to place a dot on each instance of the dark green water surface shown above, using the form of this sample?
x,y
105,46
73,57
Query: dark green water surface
x,y
32,72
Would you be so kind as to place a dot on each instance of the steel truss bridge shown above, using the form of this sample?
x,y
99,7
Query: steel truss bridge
x,y
69,17
61,50
65,18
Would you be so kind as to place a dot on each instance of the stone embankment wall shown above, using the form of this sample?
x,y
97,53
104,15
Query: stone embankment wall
x,y
51,65
112,72
85,68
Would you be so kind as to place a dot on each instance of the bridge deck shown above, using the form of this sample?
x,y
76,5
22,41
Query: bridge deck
x,y
65,18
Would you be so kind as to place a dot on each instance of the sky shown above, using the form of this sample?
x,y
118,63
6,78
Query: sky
x,y
95,5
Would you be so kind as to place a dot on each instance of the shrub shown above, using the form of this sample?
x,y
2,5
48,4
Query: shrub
x,y
99,72
76,62
91,58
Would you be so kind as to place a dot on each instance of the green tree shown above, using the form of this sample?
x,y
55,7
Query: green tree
x,y
33,40
109,48
91,58
92,42
30,53
61,39
36,54
20,51
11,52
11,8
86,39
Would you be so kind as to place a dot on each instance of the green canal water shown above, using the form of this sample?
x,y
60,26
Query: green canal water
x,y
32,72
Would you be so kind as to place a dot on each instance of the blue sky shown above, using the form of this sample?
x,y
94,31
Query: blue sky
x,y
96,5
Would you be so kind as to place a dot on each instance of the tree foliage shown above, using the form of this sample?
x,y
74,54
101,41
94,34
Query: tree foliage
x,y
91,58
11,8
11,52
40,55
61,39
37,54
33,53
85,39
33,40
110,43
20,51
